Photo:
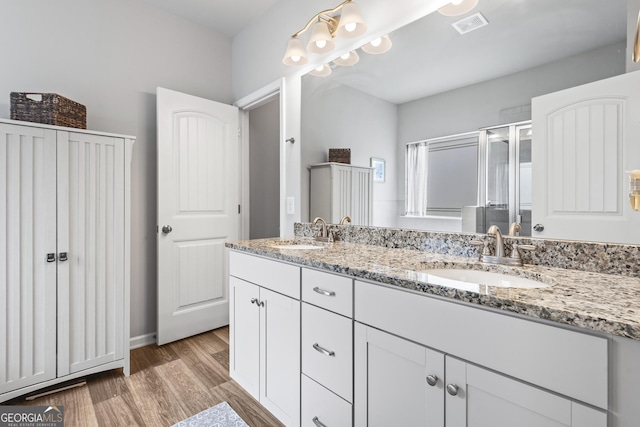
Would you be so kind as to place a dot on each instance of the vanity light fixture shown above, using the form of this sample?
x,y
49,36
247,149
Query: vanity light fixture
x,y
458,7
343,20
349,58
378,45
322,71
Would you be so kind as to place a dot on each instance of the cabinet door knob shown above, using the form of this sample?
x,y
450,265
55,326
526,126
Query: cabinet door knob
x,y
452,389
538,228
318,423
432,380
323,350
323,292
166,229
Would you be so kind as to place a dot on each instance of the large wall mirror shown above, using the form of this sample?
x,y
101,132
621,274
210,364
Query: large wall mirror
x,y
438,81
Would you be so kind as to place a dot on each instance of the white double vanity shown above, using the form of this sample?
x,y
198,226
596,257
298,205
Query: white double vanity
x,y
348,334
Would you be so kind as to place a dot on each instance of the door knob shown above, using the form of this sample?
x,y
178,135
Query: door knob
x,y
538,227
166,229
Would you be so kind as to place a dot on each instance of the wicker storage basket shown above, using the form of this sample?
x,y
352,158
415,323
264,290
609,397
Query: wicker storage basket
x,y
340,155
48,108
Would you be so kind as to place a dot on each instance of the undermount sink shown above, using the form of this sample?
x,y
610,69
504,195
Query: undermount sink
x,y
297,247
472,279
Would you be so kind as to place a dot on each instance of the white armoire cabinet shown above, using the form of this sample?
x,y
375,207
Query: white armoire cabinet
x,y
64,224
338,189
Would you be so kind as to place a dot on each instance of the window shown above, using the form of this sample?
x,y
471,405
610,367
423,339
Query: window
x,y
442,175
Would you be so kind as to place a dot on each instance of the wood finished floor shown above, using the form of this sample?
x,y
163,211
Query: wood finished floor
x,y
167,384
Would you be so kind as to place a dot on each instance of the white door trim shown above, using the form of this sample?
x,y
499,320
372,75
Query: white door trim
x,y
245,105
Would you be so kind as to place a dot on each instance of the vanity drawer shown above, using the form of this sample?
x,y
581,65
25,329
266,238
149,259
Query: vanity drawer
x,y
277,276
327,349
324,406
328,291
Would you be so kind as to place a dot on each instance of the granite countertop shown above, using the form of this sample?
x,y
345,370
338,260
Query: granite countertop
x,y
600,302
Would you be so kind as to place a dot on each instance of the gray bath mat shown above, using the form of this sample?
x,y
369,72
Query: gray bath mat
x,y
221,415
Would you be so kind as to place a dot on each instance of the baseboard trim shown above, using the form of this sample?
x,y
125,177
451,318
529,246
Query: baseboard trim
x,y
142,340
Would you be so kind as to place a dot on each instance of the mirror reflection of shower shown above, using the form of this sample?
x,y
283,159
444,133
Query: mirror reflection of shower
x,y
504,179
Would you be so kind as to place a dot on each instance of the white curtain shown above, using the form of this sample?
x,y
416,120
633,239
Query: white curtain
x,y
417,158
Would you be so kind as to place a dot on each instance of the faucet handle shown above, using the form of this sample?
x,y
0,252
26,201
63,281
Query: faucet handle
x,y
478,243
515,252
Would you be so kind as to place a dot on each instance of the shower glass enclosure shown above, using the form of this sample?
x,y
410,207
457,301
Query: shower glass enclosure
x,y
504,176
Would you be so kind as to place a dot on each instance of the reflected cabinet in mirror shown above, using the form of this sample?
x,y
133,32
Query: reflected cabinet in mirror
x,y
447,76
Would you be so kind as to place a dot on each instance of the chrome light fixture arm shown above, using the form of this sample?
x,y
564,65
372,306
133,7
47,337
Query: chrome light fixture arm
x,y
332,21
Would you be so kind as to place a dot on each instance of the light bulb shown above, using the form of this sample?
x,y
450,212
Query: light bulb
x,y
295,58
456,2
321,44
350,27
376,42
346,55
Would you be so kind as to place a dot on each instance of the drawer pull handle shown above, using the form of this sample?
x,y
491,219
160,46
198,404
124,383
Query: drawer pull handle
x,y
323,350
317,422
323,292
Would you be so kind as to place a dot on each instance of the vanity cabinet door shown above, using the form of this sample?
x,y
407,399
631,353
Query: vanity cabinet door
x,y
392,381
476,397
244,334
280,356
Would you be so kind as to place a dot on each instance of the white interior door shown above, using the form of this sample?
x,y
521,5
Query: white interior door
x,y
197,212
585,138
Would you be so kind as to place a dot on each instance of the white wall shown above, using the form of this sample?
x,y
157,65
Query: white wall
x,y
338,116
110,55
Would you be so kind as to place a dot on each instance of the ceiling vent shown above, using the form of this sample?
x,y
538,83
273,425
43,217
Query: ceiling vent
x,y
470,23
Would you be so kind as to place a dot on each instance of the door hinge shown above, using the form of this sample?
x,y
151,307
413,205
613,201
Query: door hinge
x,y
238,208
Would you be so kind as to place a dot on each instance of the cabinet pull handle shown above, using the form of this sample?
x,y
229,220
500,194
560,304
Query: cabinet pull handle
x,y
254,300
323,350
317,422
452,389
62,256
323,292
260,303
432,380
51,257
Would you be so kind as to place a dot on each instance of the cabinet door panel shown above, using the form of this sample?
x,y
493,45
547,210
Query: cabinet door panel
x,y
91,212
27,235
244,334
280,356
390,377
486,398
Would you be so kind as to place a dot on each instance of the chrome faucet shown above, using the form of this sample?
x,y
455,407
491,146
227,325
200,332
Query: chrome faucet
x,y
494,231
323,232
344,219
499,256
